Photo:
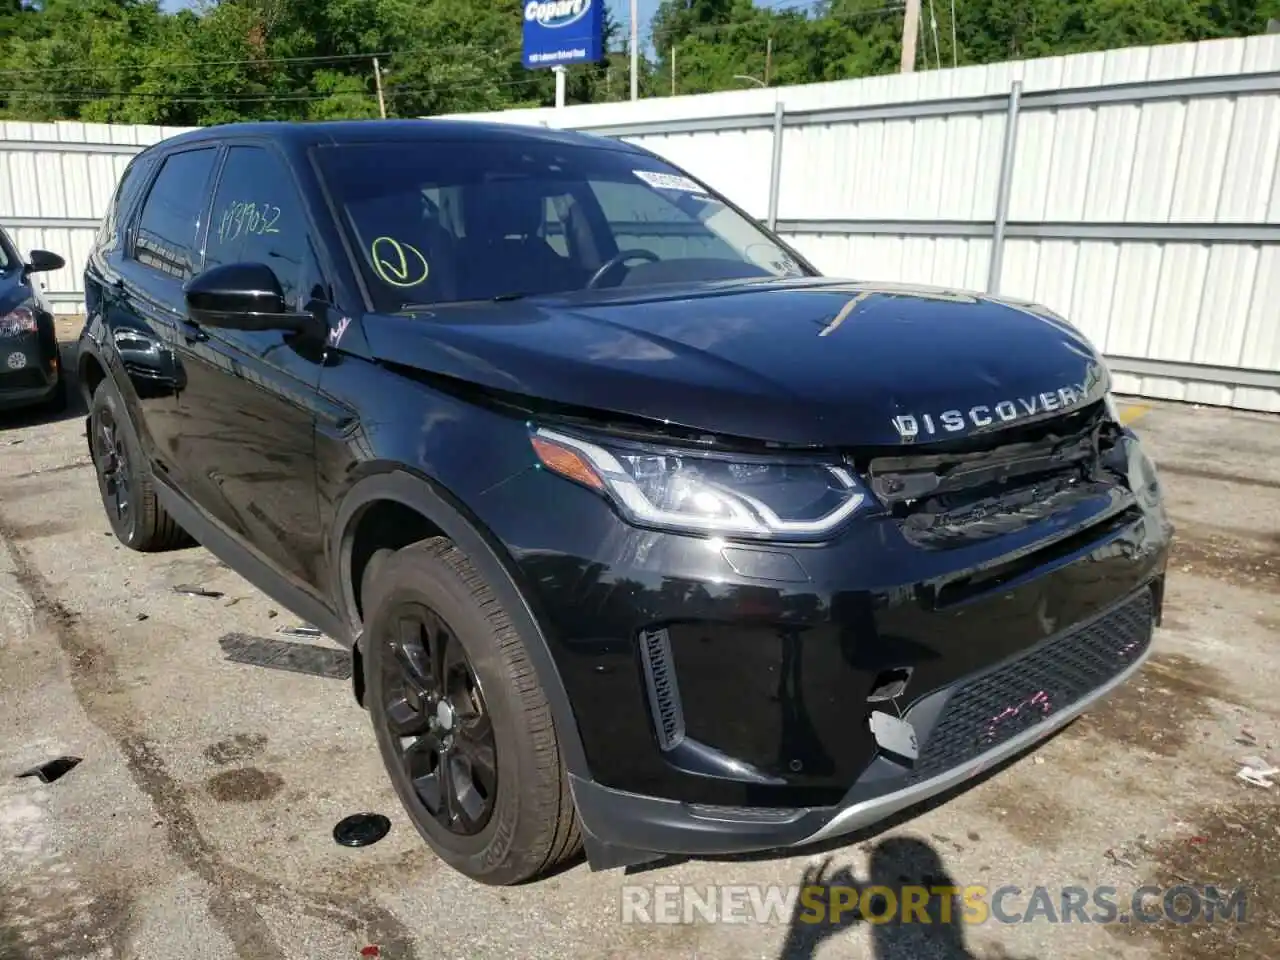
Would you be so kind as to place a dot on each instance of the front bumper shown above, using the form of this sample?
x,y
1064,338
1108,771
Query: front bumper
x,y
723,691
28,371
960,735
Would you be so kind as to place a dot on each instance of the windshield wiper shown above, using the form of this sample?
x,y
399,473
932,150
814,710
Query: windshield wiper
x,y
500,298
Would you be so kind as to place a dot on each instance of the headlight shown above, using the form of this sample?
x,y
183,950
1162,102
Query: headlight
x,y
20,319
693,491
1113,411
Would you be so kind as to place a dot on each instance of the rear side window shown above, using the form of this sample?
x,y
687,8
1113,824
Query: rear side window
x,y
122,201
258,217
167,231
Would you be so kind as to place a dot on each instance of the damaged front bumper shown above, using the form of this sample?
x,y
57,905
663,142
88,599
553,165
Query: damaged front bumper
x,y
733,696
965,730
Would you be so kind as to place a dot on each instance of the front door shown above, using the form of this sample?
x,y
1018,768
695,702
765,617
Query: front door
x,y
248,407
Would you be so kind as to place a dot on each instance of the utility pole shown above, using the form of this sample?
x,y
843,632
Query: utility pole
x,y
635,49
561,72
377,79
910,30
673,69
955,54
768,60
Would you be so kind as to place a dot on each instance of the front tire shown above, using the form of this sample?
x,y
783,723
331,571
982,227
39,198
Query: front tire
x,y
124,480
462,723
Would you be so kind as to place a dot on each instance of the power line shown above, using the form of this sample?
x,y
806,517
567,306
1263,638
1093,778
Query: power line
x,y
84,96
717,28
262,61
108,68
153,66
310,95
448,48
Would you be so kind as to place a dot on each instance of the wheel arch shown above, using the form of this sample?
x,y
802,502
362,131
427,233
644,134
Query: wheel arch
x,y
90,371
399,489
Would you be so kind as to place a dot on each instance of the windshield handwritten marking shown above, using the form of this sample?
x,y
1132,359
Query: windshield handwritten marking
x,y
392,262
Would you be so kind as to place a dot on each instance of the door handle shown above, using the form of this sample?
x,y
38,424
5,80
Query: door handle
x,y
192,333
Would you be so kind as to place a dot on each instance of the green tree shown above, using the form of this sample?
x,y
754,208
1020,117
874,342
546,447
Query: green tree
x,y
127,61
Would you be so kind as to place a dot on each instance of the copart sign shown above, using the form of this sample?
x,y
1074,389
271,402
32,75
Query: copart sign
x,y
560,32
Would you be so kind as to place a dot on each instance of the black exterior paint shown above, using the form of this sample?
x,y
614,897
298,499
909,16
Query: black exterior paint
x,y
40,376
272,449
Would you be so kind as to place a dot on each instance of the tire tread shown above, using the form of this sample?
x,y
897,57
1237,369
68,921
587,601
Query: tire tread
x,y
154,531
548,798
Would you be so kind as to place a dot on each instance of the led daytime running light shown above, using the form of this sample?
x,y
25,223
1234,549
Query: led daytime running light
x,y
747,515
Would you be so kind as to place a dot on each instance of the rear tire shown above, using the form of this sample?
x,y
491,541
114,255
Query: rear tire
x,y
440,655
124,479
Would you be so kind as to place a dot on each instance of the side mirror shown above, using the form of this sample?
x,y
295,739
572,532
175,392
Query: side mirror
x,y
243,296
42,261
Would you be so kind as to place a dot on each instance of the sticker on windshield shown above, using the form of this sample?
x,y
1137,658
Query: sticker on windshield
x,y
669,181
397,263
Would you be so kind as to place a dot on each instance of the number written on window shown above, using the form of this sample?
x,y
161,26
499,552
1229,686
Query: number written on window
x,y
241,217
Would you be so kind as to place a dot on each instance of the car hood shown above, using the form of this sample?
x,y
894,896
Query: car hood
x,y
802,362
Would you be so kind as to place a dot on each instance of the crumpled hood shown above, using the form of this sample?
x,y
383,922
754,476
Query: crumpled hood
x,y
809,362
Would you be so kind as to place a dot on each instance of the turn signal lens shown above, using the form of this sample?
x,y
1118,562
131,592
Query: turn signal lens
x,y
566,462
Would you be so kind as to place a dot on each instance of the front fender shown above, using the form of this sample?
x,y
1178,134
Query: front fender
x,y
486,556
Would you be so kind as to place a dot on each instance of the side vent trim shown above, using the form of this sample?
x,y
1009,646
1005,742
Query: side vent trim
x,y
664,694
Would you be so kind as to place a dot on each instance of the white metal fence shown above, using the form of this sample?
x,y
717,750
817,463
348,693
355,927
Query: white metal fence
x,y
1136,191
55,182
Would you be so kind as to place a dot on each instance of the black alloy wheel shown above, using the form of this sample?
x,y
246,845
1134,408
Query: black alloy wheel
x,y
111,456
433,703
124,477
461,720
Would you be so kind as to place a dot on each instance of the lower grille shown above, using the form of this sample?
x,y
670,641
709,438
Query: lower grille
x,y
996,706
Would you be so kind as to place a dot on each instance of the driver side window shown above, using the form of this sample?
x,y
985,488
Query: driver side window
x,y
257,217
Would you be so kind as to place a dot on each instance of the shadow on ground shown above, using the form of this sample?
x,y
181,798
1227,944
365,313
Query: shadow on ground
x,y
933,932
833,903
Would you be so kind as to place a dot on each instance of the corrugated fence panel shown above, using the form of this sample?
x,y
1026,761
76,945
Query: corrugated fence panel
x,y
56,180
736,160
956,262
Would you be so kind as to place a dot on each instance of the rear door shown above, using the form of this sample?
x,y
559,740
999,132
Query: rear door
x,y
144,306
247,409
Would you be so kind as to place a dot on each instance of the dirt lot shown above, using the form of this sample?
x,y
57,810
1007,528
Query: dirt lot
x,y
199,823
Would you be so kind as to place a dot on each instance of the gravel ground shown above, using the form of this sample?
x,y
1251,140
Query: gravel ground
x,y
199,823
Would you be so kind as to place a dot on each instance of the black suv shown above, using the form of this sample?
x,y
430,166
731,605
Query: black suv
x,y
30,369
645,535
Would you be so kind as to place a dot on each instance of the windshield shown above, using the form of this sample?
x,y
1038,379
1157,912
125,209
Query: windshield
x,y
5,260
439,222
